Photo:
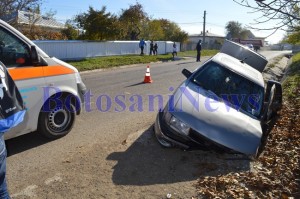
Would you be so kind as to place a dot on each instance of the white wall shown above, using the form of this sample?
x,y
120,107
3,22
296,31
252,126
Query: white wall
x,y
74,50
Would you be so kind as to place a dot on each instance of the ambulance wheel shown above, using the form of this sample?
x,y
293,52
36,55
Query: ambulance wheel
x,y
56,120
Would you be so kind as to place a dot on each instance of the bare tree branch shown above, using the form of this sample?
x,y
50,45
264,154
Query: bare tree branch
x,y
8,7
286,12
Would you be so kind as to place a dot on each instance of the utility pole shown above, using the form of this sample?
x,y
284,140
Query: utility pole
x,y
204,23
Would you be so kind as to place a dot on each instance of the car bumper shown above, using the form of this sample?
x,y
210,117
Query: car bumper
x,y
193,141
81,92
161,135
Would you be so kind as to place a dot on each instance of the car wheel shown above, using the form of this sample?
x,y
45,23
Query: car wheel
x,y
57,121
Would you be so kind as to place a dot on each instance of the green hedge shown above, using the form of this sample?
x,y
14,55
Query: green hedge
x,y
291,85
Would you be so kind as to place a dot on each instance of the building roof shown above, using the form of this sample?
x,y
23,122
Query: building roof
x,y
207,34
27,18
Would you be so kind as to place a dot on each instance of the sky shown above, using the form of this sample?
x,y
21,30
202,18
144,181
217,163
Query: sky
x,y
187,14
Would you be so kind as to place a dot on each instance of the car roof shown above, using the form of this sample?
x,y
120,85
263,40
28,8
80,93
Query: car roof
x,y
237,66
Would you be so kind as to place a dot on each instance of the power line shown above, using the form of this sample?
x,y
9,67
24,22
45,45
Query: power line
x,y
216,25
191,23
182,23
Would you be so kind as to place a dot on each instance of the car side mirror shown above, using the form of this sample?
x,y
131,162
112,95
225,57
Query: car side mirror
x,y
186,73
35,58
273,99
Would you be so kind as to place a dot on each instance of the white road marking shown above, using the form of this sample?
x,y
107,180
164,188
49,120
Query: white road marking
x,y
28,191
55,178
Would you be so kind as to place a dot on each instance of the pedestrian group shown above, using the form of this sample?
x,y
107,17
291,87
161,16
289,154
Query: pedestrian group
x,y
153,47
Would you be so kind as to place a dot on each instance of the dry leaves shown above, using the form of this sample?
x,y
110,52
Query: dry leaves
x,y
278,175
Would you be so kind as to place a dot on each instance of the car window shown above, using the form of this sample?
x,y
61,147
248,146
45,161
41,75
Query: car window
x,y
233,88
13,51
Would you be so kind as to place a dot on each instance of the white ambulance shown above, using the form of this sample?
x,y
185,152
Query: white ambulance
x,y
52,90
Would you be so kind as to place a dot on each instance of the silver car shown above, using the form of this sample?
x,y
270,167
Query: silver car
x,y
222,105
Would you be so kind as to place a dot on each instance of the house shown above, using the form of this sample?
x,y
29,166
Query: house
x,y
23,20
212,41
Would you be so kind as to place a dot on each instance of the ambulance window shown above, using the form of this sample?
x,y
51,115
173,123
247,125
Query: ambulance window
x,y
13,51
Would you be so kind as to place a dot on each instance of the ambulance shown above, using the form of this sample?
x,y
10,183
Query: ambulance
x,y
52,90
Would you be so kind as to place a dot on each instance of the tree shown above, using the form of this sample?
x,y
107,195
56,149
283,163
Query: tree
x,y
285,12
8,7
132,21
245,34
153,30
70,32
98,25
50,14
181,36
294,38
37,33
172,31
233,29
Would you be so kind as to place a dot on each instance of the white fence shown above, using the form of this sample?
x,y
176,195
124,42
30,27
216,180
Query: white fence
x,y
75,50
296,49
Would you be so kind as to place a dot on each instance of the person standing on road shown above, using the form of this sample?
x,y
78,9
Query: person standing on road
x,y
155,48
142,44
174,50
3,186
198,48
151,48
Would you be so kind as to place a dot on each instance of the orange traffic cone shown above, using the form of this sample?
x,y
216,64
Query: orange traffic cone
x,y
147,78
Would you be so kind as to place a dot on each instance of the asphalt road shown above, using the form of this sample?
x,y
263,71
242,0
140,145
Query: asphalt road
x,y
118,110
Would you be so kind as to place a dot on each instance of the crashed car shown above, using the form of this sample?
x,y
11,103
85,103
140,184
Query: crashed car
x,y
224,104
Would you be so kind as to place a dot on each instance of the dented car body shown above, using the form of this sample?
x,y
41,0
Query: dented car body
x,y
222,105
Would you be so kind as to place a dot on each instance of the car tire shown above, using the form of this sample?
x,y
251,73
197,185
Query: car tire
x,y
57,121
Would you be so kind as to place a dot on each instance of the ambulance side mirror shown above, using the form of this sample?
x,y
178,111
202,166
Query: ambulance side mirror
x,y
35,58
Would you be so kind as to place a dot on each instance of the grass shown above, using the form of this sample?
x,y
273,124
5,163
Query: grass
x,y
115,61
291,85
193,53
